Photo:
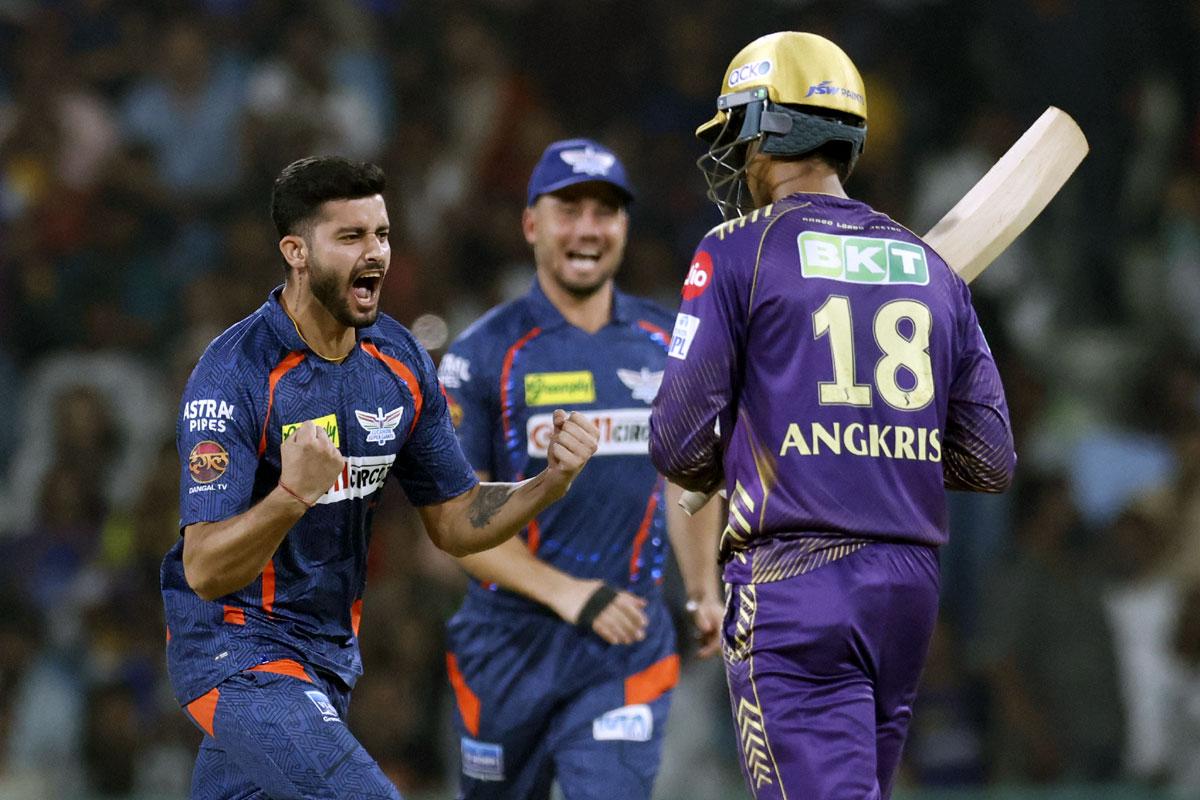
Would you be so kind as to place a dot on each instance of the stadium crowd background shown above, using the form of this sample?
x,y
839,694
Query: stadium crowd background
x,y
137,145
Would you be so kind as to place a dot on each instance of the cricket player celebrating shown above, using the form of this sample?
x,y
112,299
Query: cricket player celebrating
x,y
563,654
827,369
289,426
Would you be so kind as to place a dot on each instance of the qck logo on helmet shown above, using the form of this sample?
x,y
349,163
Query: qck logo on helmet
x,y
749,72
380,427
588,160
699,276
827,87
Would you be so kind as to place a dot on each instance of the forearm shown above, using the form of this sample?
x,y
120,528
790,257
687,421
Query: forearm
x,y
695,540
488,514
222,557
512,566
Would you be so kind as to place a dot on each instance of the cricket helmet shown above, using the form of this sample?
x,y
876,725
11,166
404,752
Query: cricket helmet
x,y
790,92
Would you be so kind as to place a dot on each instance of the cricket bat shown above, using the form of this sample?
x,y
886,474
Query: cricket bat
x,y
997,208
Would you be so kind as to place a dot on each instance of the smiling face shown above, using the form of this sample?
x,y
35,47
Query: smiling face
x,y
347,253
578,236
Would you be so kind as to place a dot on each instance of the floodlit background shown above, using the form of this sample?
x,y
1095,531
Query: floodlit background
x,y
137,145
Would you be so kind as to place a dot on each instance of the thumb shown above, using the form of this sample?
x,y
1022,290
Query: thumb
x,y
560,418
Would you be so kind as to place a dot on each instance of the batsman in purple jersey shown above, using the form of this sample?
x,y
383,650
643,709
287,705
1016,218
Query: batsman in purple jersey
x,y
290,424
827,369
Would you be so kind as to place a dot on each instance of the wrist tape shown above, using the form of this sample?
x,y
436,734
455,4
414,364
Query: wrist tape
x,y
600,600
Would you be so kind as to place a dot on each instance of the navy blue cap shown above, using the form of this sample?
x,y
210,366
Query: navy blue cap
x,y
571,161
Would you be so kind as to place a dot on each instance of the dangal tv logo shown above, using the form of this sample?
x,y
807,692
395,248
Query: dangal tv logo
x,y
207,461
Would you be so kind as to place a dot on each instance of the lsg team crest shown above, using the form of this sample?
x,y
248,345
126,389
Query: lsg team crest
x,y
380,427
207,462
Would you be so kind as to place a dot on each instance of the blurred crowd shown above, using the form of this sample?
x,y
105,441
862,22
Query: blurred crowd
x,y
138,142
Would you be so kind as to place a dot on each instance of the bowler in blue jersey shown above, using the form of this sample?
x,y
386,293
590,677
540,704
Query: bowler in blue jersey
x,y
563,655
289,426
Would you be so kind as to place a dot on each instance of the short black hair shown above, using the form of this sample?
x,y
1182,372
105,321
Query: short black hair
x,y
305,184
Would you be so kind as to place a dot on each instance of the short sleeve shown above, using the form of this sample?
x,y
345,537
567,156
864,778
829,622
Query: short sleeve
x,y
473,404
217,439
431,466
700,382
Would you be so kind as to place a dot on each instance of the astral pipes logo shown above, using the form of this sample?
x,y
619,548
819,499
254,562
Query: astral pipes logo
x,y
749,72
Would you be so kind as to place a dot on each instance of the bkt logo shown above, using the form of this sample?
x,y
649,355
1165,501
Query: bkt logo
x,y
827,87
749,72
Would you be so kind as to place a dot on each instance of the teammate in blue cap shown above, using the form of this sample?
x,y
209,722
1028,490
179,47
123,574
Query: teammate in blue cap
x,y
563,655
289,426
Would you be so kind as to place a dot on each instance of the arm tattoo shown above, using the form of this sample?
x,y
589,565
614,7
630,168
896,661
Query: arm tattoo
x,y
487,501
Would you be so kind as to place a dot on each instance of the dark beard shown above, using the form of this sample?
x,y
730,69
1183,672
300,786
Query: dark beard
x,y
329,290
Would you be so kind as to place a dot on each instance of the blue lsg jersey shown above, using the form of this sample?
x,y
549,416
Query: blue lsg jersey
x,y
505,376
255,384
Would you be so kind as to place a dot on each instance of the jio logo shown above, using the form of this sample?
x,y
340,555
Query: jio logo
x,y
749,72
699,276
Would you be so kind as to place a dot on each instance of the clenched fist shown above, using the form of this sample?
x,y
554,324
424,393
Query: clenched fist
x,y
310,462
574,440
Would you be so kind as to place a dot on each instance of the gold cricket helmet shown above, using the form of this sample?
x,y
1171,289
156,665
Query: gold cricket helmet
x,y
793,93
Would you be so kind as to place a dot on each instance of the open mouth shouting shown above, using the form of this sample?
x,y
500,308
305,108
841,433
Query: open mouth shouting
x,y
365,288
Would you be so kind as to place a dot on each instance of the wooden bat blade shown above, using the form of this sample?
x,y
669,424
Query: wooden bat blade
x,y
1012,193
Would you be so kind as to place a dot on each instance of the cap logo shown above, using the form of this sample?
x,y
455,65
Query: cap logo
x,y
748,72
588,161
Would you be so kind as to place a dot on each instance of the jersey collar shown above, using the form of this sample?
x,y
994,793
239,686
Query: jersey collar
x,y
546,316
285,329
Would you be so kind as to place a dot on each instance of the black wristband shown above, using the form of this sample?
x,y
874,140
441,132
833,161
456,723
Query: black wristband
x,y
600,600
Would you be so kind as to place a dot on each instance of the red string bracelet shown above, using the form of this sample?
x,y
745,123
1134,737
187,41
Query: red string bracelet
x,y
293,494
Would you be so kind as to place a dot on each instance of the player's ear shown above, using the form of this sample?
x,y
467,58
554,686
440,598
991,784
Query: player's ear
x,y
529,224
294,250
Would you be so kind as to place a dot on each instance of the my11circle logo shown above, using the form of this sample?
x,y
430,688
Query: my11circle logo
x,y
698,277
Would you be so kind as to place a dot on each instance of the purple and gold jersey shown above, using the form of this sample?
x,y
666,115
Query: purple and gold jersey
x,y
505,376
828,366
257,382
